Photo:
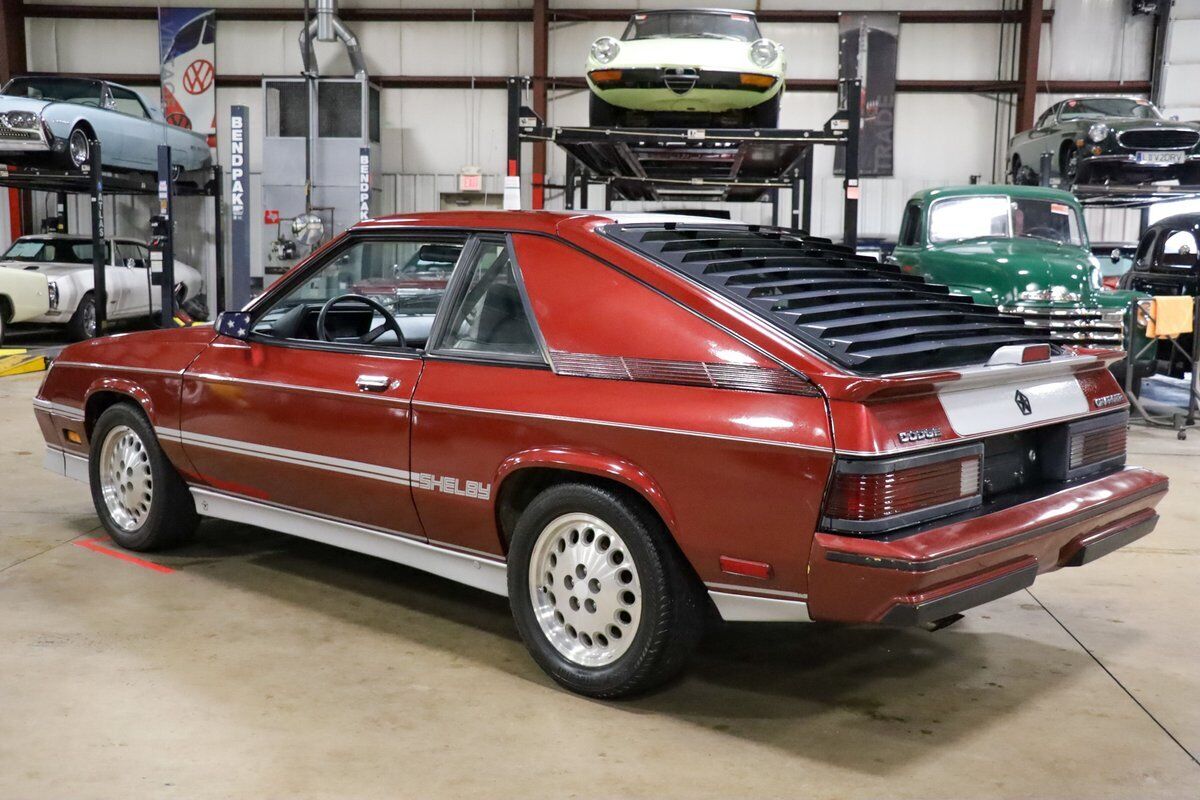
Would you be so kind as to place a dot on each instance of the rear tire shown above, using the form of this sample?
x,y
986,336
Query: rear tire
x,y
613,609
141,500
83,321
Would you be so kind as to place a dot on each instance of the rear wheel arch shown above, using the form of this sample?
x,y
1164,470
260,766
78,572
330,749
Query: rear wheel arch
x,y
523,477
6,308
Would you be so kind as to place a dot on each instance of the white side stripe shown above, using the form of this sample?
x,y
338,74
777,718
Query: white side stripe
x,y
70,412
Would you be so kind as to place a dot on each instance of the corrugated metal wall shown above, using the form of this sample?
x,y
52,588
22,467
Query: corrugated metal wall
x,y
429,134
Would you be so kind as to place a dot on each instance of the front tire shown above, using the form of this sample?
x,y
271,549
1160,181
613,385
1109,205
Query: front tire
x,y
766,115
83,323
602,114
601,598
79,148
140,498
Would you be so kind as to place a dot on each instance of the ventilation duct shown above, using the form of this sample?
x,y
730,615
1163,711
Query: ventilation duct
x,y
327,26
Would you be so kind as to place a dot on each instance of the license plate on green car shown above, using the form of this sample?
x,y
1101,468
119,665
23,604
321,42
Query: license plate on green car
x,y
1160,157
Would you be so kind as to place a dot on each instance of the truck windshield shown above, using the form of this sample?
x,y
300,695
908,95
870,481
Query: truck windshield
x,y
64,90
955,219
692,24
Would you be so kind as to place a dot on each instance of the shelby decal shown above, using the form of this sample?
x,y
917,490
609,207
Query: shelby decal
x,y
457,486
919,435
1109,400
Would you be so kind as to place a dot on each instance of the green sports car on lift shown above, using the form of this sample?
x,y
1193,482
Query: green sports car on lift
x,y
1024,249
1119,140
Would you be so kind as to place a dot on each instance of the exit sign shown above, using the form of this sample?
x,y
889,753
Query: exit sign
x,y
470,182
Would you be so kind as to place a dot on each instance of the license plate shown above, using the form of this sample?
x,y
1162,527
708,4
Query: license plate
x,y
1159,157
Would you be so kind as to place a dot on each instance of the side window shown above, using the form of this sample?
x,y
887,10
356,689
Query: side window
x,y
128,102
407,276
1179,249
910,226
1047,117
490,316
127,251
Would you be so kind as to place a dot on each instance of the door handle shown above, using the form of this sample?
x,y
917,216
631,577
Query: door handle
x,y
372,383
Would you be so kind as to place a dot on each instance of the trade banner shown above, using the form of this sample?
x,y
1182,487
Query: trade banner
x,y
187,50
867,45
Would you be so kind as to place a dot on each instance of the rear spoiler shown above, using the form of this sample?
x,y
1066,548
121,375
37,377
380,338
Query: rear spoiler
x,y
1005,364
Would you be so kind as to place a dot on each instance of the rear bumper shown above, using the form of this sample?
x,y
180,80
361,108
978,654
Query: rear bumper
x,y
944,570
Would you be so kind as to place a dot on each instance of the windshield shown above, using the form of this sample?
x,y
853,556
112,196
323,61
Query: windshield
x,y
1097,107
692,24
996,216
65,90
43,251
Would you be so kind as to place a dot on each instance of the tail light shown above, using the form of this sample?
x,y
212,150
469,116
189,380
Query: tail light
x,y
872,495
1088,446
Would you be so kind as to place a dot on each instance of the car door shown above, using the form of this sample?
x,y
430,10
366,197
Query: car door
x,y
129,281
140,134
320,427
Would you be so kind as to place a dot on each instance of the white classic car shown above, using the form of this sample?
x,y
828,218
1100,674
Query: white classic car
x,y
53,120
65,261
23,296
683,66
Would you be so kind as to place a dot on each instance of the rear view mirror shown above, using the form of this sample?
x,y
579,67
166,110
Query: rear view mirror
x,y
234,324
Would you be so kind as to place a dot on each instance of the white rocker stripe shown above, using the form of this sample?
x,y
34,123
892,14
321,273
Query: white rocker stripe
x,y
744,608
482,573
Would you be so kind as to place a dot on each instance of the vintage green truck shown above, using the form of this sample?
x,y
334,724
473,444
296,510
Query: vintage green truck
x,y
1024,249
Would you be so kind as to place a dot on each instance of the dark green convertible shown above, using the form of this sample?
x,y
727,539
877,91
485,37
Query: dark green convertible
x,y
1022,248
1106,140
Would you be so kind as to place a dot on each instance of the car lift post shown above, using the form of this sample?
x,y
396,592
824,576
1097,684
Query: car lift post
x,y
569,191
512,180
217,302
1044,174
850,182
166,209
99,289
583,189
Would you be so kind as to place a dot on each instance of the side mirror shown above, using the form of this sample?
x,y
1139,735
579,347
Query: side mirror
x,y
1115,256
234,324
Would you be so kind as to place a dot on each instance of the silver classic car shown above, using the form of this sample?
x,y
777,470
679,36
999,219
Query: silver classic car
x,y
53,120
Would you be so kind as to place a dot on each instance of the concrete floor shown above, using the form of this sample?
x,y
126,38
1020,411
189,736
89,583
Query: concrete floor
x,y
265,666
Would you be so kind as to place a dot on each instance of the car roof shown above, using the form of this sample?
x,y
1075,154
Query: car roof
x,y
648,11
977,189
1190,220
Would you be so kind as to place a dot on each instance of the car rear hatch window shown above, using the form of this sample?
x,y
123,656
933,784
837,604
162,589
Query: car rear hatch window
x,y
858,313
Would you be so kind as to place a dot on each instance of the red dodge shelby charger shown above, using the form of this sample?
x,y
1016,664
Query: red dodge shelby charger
x,y
623,423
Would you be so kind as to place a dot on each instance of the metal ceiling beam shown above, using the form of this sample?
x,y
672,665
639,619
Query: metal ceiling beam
x,y
281,14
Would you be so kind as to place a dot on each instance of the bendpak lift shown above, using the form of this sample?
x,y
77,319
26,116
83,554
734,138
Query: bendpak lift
x,y
682,164
96,182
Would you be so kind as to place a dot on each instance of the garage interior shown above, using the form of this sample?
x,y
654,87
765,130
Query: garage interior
x,y
250,663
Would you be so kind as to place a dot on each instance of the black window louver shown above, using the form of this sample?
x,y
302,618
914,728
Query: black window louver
x,y
863,315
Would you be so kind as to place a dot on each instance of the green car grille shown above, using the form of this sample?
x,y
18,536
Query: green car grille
x,y
1087,326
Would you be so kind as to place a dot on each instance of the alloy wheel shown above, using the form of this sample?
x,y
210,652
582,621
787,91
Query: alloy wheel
x,y
125,478
585,589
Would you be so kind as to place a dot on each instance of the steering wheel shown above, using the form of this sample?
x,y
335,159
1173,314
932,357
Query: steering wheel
x,y
389,321
1043,232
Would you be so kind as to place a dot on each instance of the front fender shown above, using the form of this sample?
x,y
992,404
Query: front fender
x,y
603,465
122,386
981,296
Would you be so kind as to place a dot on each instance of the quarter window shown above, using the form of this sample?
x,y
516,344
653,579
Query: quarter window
x,y
1179,249
490,315
127,102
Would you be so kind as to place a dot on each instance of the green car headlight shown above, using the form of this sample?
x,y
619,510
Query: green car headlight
x,y
763,52
605,49
1098,132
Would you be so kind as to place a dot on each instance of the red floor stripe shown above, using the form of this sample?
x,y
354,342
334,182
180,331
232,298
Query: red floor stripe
x,y
94,544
